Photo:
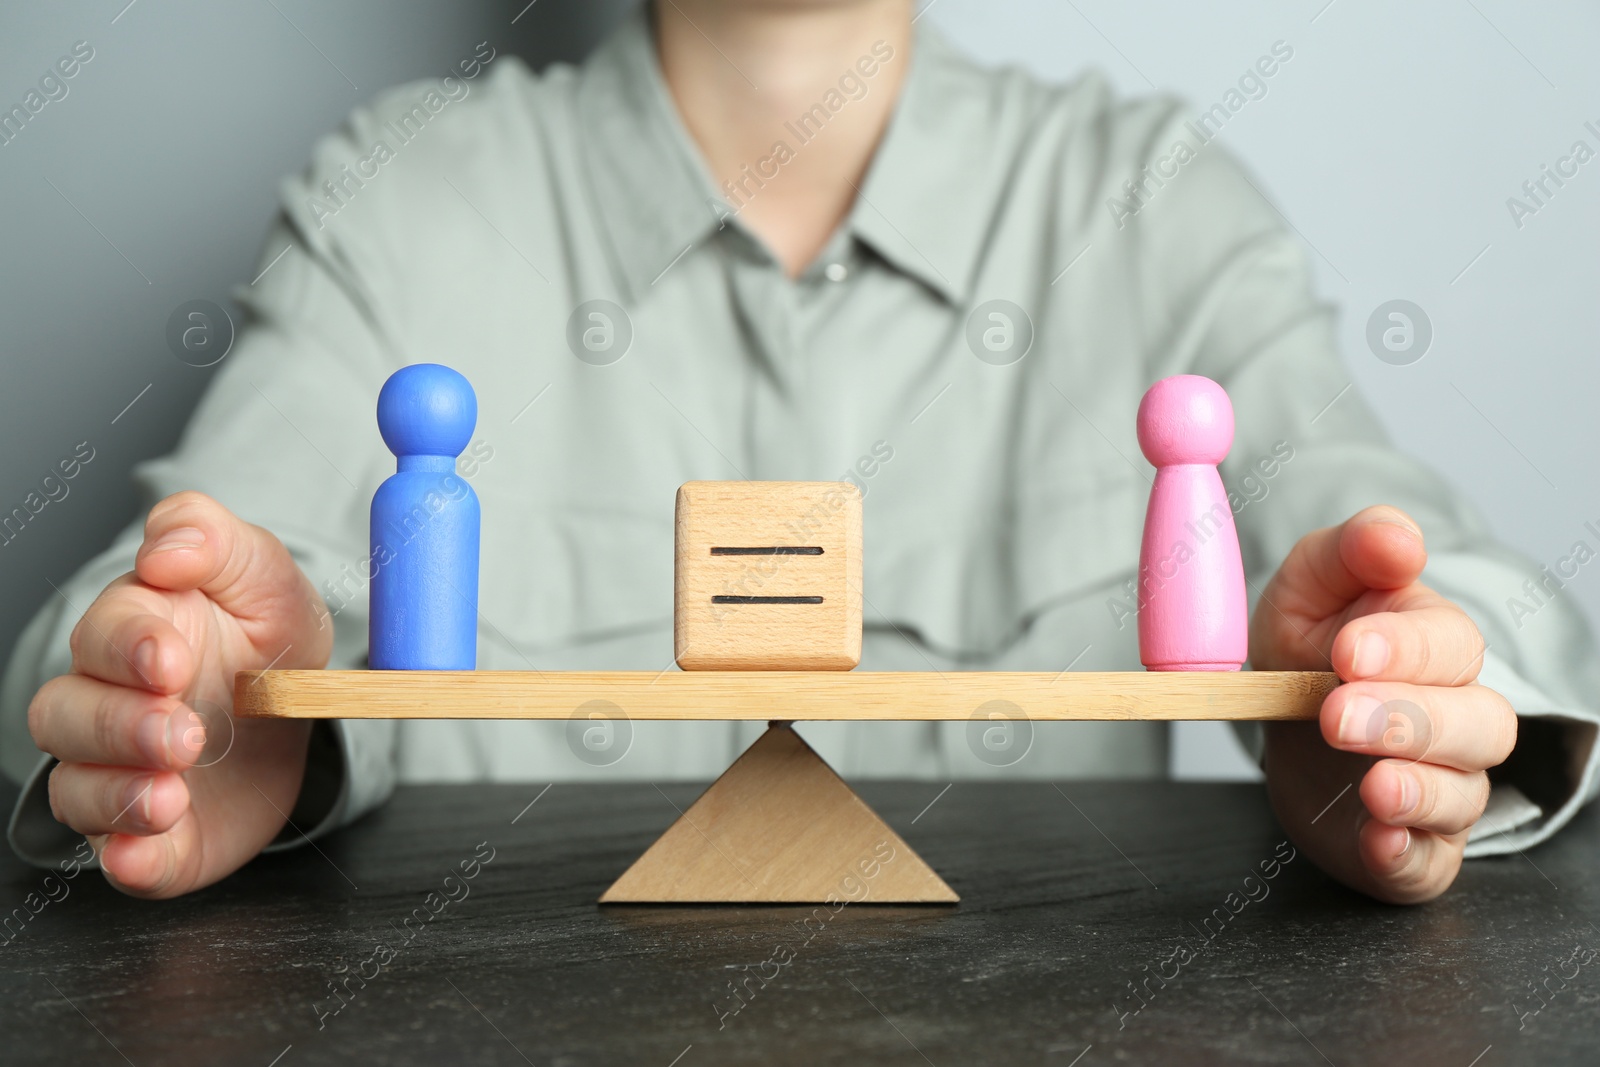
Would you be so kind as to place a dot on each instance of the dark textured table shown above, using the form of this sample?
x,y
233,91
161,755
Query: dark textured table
x,y
1072,898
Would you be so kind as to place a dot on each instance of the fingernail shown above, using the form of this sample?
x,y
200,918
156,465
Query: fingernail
x,y
1355,725
152,738
188,736
1406,847
146,658
1371,655
136,797
182,537
1404,524
1410,793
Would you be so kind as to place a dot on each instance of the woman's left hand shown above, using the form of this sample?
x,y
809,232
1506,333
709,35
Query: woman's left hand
x,y
1409,733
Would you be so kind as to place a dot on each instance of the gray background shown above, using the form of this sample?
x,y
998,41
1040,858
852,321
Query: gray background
x,y
1390,141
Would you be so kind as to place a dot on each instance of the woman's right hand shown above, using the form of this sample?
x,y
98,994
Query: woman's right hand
x,y
173,800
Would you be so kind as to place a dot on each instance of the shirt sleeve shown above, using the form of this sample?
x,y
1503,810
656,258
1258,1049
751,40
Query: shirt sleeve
x,y
284,438
1309,453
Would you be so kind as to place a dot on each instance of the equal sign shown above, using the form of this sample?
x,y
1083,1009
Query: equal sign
x,y
766,550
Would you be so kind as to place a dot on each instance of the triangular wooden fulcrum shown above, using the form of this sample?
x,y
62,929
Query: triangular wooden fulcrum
x,y
779,827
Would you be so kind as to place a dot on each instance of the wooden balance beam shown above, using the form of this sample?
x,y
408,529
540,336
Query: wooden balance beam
x,y
779,826
783,695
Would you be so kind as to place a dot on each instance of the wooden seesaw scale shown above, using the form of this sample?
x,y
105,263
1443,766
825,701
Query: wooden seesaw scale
x,y
779,826
767,625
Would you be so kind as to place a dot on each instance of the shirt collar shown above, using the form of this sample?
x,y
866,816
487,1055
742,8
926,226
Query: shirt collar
x,y
930,192
922,206
653,195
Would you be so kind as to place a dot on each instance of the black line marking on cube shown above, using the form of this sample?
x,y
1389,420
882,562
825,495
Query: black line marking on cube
x,y
768,550
766,600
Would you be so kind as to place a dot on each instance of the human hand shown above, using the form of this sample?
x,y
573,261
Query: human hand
x,y
140,773
1410,724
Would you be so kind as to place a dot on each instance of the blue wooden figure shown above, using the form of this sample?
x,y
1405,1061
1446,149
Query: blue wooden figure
x,y
425,521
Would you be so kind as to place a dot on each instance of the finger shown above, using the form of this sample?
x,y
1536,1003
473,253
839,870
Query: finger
x,y
1312,790
1469,727
98,800
193,542
84,720
1377,548
1423,796
151,867
1406,866
123,640
207,842
1438,645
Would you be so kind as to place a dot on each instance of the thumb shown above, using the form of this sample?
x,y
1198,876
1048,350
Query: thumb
x,y
1378,548
191,542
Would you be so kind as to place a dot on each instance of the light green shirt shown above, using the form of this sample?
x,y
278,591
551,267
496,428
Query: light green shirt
x,y
469,222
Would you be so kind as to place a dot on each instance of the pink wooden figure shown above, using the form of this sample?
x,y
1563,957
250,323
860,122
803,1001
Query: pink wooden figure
x,y
1192,610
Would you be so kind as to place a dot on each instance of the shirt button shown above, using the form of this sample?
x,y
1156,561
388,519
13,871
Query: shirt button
x,y
836,272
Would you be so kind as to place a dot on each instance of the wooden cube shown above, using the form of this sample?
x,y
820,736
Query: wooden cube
x,y
768,576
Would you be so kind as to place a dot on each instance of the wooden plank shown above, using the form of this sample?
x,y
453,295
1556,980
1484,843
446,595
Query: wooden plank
x,y
806,695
